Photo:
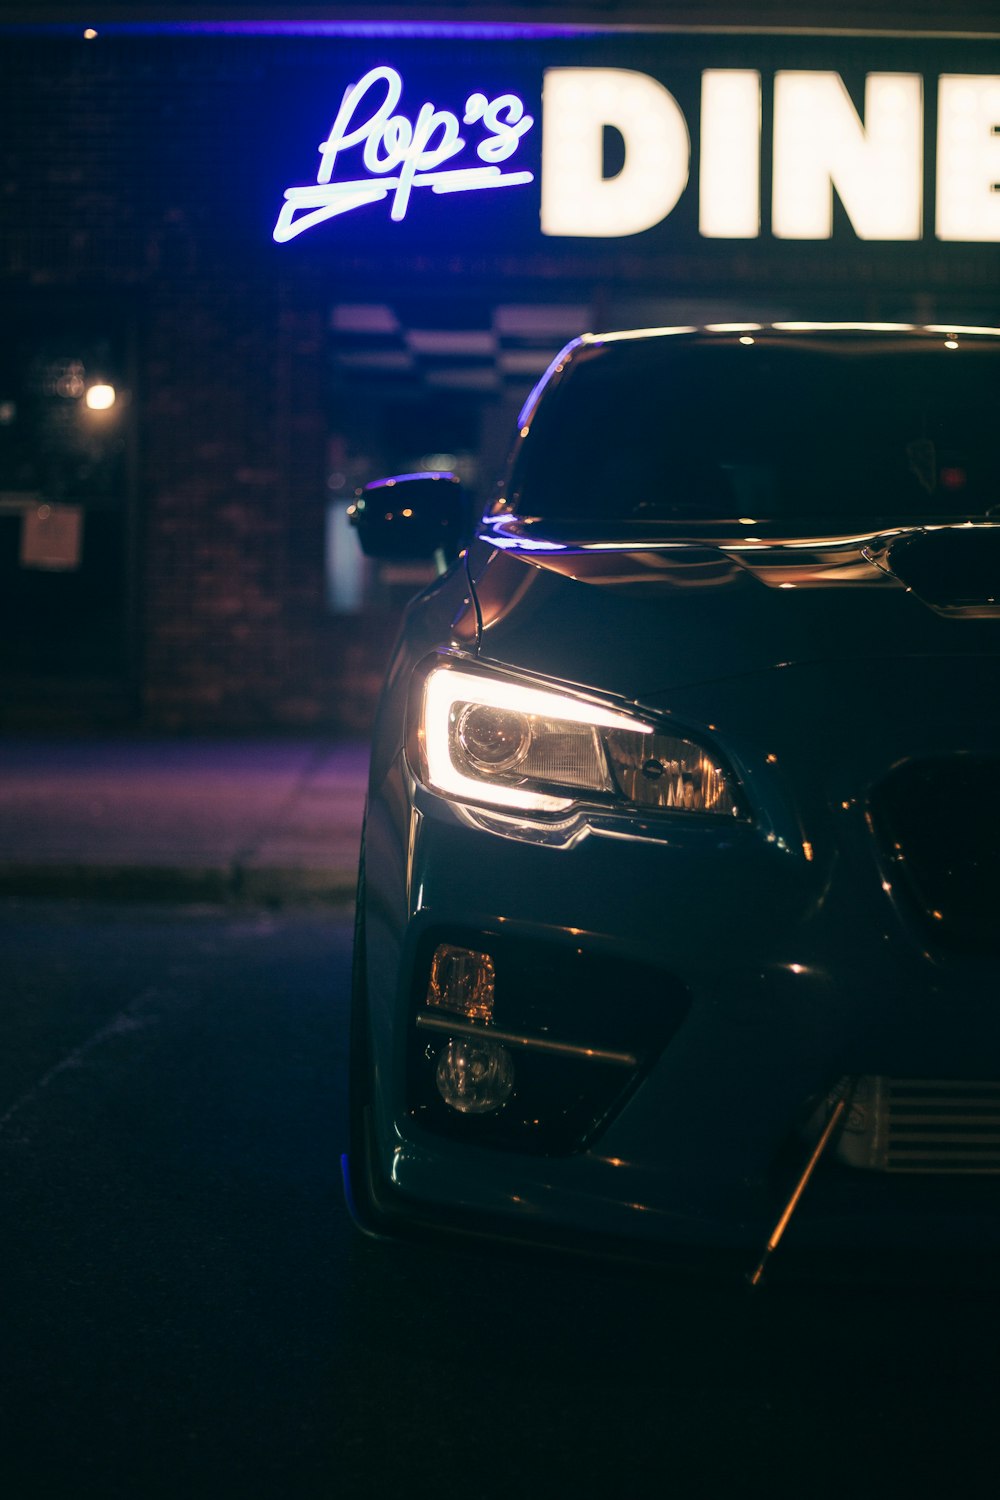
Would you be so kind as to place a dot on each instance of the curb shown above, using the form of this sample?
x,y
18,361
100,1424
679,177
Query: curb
x,y
249,884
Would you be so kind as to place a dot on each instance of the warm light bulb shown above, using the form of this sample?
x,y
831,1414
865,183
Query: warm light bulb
x,y
101,397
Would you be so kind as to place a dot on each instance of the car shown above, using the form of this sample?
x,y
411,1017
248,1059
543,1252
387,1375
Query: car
x,y
677,921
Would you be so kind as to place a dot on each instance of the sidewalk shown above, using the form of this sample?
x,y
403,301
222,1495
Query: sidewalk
x,y
271,820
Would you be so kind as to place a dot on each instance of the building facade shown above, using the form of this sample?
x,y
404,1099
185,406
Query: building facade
x,y
248,264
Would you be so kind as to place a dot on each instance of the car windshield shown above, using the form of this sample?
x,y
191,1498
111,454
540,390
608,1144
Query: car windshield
x,y
678,431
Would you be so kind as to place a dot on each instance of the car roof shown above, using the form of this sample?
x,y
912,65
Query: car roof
x,y
845,337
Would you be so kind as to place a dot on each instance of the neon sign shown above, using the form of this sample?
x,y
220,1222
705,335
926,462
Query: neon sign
x,y
821,145
400,155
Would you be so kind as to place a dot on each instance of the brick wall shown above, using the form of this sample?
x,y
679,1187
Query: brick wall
x,y
232,479
106,156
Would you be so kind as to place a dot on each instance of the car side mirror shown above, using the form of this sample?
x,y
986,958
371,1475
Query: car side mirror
x,y
410,516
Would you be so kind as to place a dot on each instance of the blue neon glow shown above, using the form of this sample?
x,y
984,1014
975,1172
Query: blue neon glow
x,y
565,353
381,484
400,154
494,531
431,30
521,543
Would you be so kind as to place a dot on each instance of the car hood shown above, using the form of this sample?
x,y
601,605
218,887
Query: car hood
x,y
660,608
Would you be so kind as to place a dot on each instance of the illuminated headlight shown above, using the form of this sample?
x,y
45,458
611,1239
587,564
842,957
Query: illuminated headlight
x,y
496,740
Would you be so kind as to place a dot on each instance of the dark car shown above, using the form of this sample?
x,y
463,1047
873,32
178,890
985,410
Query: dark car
x,y
680,869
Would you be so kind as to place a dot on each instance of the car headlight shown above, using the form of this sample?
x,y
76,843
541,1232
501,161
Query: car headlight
x,y
494,739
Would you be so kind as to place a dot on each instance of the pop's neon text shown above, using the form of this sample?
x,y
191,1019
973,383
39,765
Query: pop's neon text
x,y
870,155
401,154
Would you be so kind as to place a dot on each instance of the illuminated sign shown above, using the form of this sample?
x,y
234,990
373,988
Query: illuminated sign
x,y
819,144
399,154
873,159
578,105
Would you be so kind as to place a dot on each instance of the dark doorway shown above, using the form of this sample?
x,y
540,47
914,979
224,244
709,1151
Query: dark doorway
x,y
66,517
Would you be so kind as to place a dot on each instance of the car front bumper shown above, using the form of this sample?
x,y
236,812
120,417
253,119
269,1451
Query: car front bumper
x,y
782,975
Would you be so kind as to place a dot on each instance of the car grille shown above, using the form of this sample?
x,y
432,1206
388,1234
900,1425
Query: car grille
x,y
923,1125
938,824
942,1126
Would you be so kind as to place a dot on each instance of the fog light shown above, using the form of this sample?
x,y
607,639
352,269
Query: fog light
x,y
462,980
474,1076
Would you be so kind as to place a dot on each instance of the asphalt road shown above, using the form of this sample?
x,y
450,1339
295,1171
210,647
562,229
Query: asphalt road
x,y
187,1311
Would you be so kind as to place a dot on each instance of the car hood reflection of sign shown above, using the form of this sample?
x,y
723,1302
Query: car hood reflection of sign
x,y
400,155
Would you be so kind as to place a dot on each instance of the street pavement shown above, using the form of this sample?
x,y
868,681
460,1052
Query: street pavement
x,y
188,1314
258,819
